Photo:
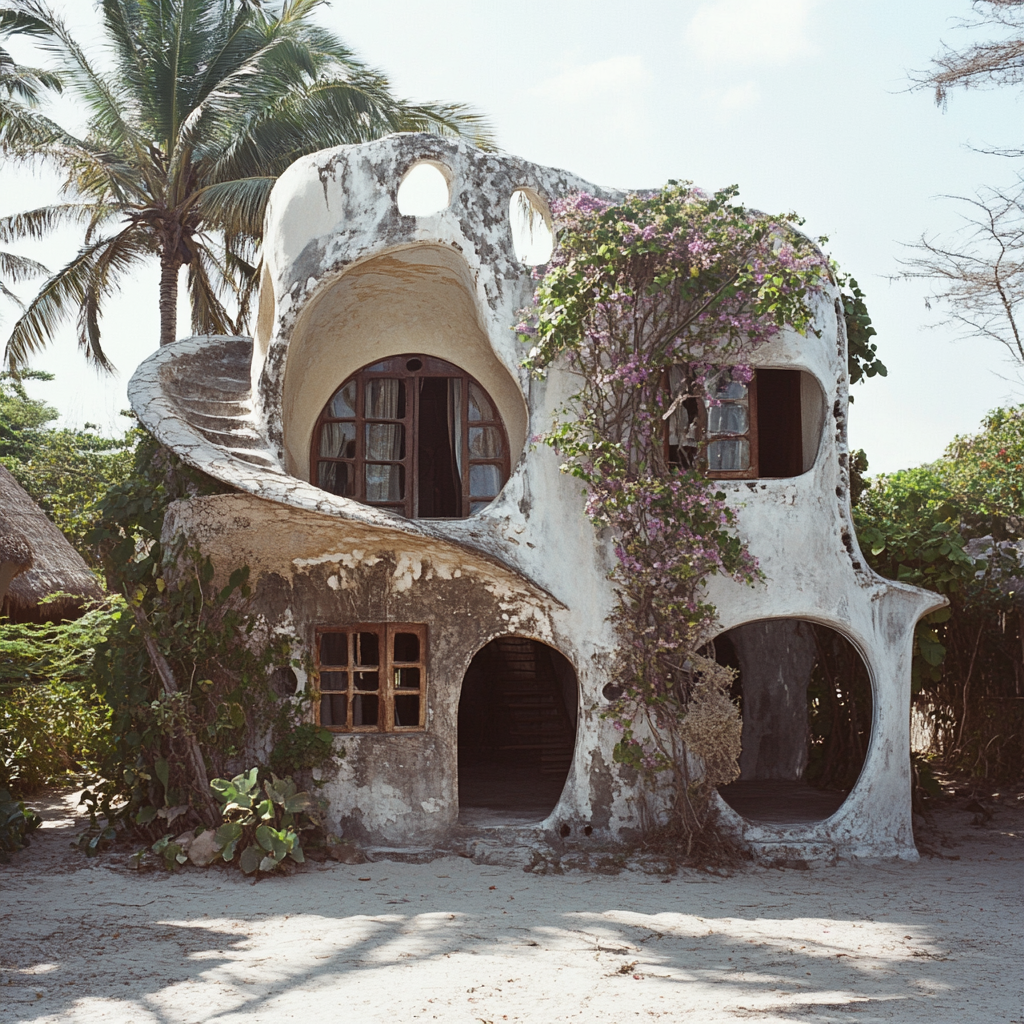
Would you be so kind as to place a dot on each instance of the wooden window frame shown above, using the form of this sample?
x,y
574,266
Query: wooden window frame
x,y
386,668
753,470
397,367
703,438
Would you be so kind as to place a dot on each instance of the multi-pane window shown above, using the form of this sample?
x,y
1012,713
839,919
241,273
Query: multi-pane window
x,y
413,434
726,426
731,430
747,430
372,678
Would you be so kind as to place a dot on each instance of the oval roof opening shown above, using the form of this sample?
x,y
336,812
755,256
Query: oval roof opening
x,y
533,238
424,191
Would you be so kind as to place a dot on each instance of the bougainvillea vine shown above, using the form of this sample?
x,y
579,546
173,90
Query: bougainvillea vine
x,y
656,306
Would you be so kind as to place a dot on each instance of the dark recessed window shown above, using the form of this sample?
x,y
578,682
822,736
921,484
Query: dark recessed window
x,y
372,678
412,434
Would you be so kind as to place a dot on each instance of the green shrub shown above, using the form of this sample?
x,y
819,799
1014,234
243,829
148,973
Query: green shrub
x,y
260,827
917,526
302,747
52,722
16,822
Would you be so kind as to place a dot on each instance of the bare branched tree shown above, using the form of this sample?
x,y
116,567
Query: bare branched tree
x,y
979,273
982,65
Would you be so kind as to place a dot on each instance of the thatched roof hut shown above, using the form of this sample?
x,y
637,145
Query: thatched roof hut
x,y
36,560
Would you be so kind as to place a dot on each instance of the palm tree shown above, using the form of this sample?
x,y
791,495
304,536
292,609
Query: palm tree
x,y
20,90
201,106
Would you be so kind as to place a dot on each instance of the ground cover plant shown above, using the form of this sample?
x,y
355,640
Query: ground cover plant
x,y
17,822
261,826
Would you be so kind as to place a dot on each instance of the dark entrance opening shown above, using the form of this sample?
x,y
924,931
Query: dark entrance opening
x,y
805,701
517,731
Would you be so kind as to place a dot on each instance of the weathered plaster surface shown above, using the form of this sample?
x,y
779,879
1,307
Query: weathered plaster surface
x,y
347,279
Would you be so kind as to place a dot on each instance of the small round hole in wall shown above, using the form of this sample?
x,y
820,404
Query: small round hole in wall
x,y
285,681
414,364
611,692
533,237
424,190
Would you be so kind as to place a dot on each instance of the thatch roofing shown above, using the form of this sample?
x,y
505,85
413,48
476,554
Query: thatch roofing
x,y
54,565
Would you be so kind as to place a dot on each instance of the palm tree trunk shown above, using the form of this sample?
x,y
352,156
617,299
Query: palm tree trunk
x,y
169,266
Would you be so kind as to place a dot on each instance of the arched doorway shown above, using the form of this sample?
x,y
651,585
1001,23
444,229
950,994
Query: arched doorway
x,y
805,700
517,732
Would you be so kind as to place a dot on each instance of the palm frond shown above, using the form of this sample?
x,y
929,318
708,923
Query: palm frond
x,y
40,223
235,207
208,313
19,268
305,91
26,134
107,120
8,294
246,294
113,261
25,83
71,288
454,120
22,22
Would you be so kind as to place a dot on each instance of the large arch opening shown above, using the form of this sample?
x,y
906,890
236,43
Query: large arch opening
x,y
413,434
420,299
517,732
806,704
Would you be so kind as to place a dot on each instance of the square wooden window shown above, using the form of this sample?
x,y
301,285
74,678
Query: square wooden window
x,y
372,677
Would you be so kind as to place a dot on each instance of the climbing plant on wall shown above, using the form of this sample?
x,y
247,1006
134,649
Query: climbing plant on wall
x,y
189,674
651,303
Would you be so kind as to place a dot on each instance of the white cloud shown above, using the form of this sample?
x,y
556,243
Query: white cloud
x,y
751,31
613,78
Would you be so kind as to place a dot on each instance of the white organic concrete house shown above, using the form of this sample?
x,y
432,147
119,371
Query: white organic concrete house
x,y
438,569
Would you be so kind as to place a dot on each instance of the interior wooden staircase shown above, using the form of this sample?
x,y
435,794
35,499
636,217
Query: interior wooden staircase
x,y
531,706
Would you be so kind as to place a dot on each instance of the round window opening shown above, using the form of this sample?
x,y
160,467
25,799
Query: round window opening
x,y
412,434
424,191
806,703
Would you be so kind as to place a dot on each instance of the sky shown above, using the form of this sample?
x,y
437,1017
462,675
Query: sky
x,y
805,104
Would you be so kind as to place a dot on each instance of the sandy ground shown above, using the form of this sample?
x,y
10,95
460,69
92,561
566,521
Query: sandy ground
x,y
451,941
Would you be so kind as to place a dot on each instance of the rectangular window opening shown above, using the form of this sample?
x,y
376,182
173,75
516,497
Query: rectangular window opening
x,y
746,430
372,678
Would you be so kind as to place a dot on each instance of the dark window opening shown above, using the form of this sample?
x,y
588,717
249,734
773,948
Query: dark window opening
x,y
746,430
412,434
517,732
805,701
372,678
779,428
